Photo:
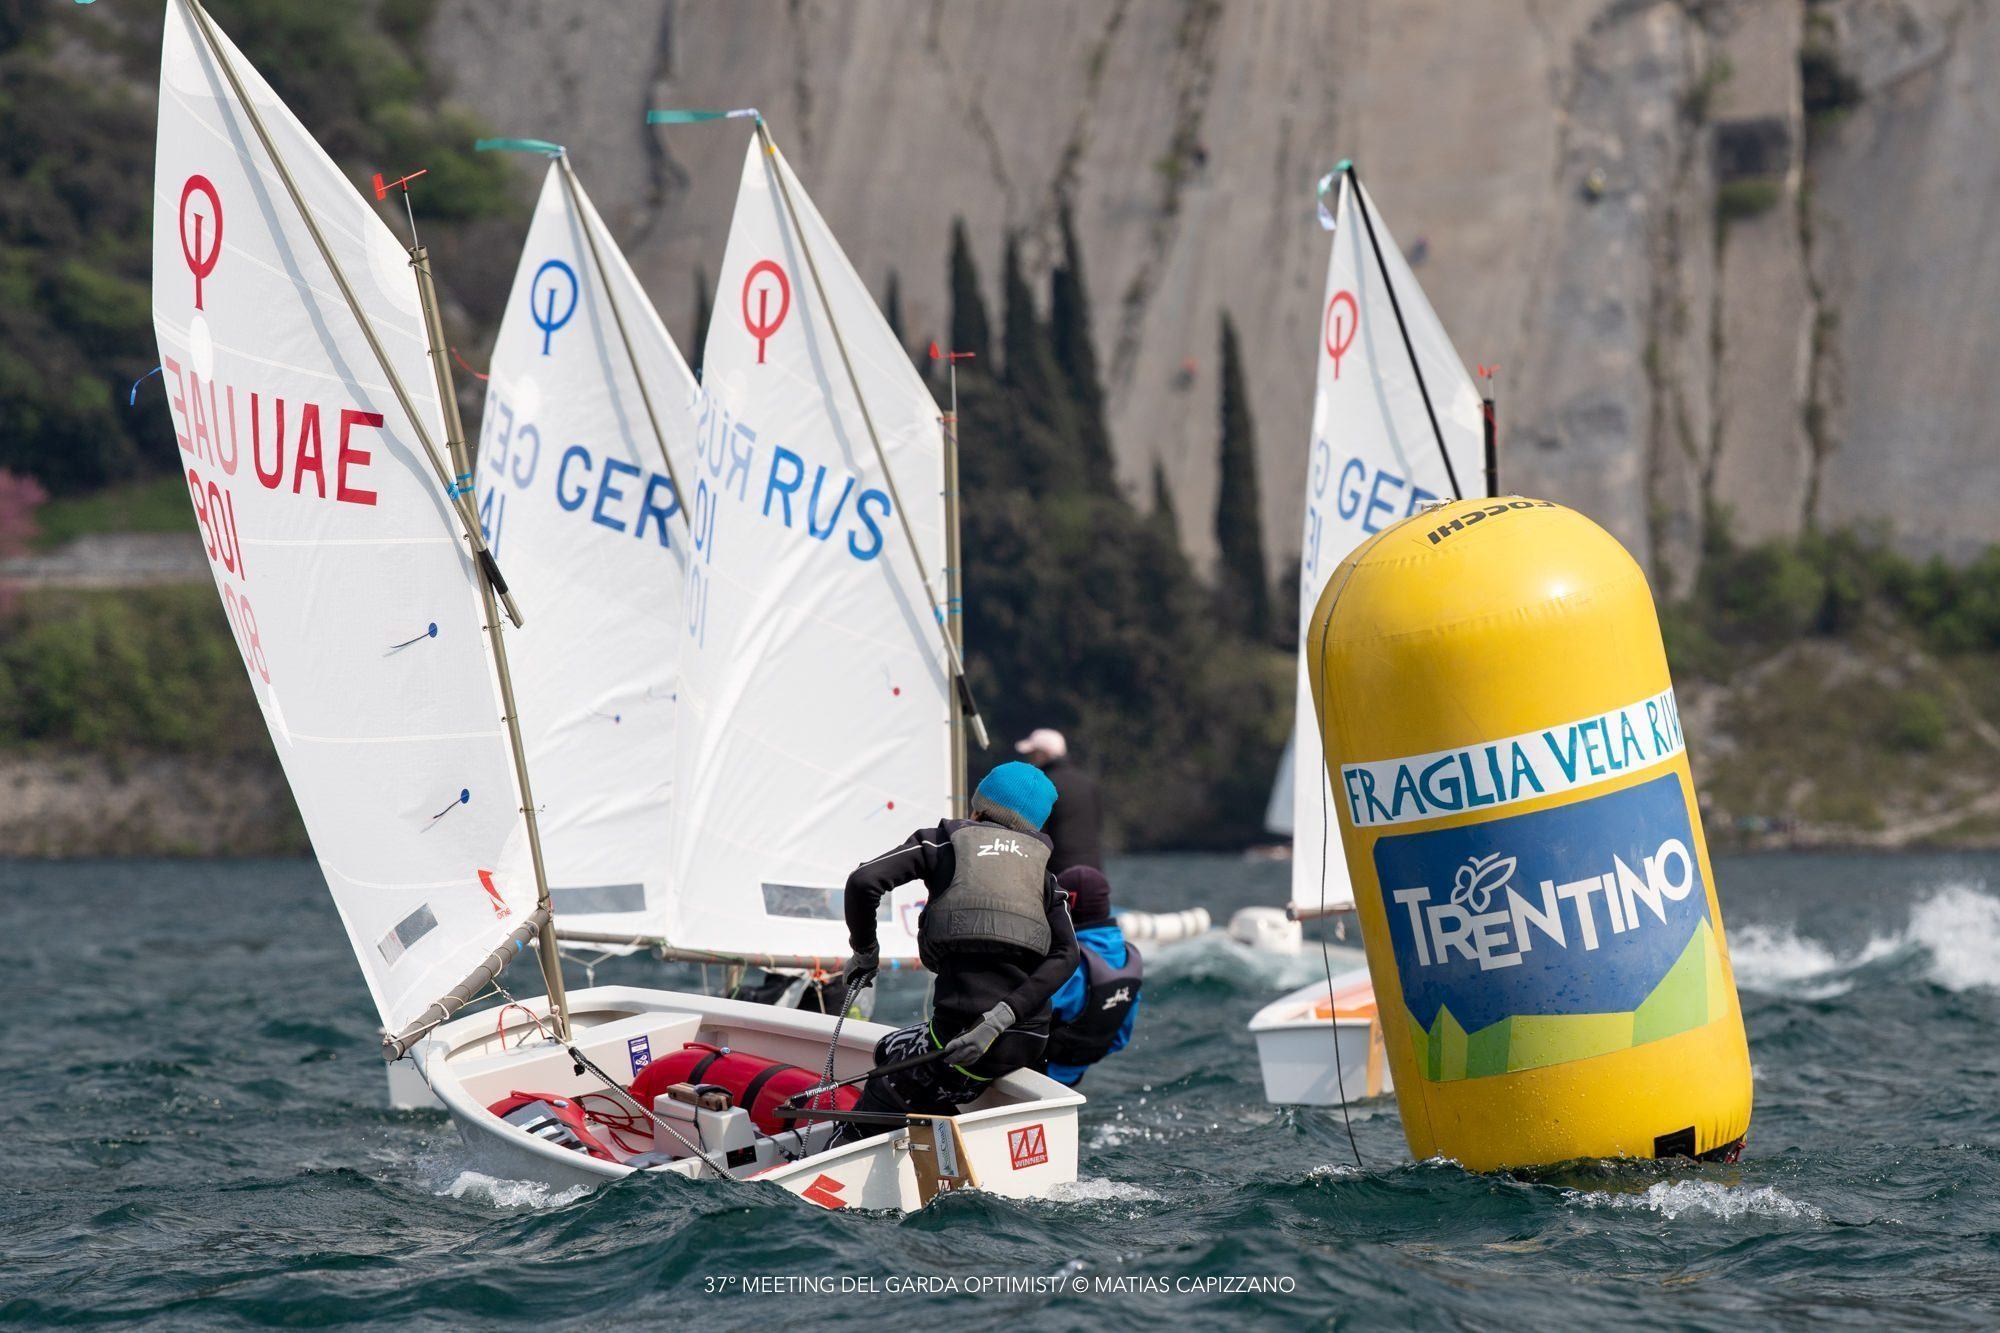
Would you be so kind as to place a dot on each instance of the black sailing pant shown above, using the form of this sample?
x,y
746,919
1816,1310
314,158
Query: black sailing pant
x,y
932,1089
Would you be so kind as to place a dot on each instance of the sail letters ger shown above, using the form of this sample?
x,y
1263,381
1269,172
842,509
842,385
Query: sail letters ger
x,y
579,506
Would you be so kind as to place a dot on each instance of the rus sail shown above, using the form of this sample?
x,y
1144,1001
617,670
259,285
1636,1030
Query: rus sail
x,y
1374,457
577,501
815,724
340,563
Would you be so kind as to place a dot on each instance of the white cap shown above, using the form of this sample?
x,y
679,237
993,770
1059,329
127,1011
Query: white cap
x,y
1047,740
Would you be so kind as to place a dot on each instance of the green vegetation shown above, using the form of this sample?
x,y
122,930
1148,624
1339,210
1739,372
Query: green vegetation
x,y
1244,591
1745,198
77,110
1844,689
155,504
141,669
1082,612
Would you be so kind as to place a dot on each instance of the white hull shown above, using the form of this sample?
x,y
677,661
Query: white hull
x,y
1296,1040
1019,1139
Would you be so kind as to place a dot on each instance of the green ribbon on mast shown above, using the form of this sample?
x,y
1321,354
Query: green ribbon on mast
x,y
697,117
542,146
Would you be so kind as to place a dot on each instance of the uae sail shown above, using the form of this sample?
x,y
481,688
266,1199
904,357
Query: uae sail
x,y
338,558
1373,458
815,729
577,500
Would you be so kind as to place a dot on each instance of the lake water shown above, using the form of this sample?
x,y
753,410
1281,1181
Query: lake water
x,y
195,1132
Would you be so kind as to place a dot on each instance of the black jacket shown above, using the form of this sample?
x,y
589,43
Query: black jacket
x,y
970,986
1076,823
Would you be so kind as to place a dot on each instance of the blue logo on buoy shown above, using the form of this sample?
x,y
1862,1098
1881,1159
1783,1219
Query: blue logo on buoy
x,y
543,312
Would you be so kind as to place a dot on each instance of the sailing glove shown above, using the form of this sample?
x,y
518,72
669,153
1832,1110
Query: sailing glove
x,y
861,968
970,1046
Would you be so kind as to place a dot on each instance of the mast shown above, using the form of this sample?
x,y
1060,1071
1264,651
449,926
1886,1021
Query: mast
x,y
1489,414
461,462
954,583
493,588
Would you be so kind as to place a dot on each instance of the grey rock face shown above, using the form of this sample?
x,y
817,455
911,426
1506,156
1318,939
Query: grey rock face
x,y
1822,357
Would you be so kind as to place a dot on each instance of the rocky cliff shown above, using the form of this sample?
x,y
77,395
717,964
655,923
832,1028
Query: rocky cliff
x,y
1729,253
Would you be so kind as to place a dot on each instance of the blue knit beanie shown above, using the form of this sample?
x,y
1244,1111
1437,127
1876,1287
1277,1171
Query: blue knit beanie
x,y
1021,788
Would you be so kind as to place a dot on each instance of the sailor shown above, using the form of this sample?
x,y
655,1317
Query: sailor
x,y
1096,1009
1077,825
995,935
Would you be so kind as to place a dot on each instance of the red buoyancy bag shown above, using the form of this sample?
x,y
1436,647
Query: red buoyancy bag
x,y
757,1085
555,1119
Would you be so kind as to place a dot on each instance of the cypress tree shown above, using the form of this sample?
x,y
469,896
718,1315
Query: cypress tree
x,y
1044,419
892,308
1076,355
703,312
970,331
1165,518
1239,528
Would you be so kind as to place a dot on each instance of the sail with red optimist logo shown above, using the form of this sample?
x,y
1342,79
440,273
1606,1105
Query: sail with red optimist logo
x,y
815,730
1372,459
347,581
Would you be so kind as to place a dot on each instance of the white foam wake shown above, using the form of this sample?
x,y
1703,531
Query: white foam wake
x,y
479,1187
1089,1189
1680,1198
1215,956
1955,932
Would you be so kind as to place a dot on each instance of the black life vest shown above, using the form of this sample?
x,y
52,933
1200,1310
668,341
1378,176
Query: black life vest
x,y
996,901
1108,995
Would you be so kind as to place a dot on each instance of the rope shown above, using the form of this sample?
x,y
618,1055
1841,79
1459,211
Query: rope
x,y
584,1062
1325,953
867,419
1409,349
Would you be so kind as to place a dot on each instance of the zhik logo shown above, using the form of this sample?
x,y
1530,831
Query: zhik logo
x,y
1118,997
999,845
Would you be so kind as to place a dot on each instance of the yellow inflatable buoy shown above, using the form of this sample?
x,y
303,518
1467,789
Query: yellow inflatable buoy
x,y
1534,891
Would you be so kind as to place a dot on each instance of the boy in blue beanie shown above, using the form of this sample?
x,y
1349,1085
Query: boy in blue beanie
x,y
995,934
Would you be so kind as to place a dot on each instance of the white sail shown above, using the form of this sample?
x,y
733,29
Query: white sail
x,y
340,565
1373,459
581,511
1278,813
815,723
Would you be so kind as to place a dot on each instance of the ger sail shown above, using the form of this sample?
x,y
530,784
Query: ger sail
x,y
1396,425
588,421
296,351
818,677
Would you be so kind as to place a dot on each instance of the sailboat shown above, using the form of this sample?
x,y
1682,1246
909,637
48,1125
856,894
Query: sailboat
x,y
1397,424
311,396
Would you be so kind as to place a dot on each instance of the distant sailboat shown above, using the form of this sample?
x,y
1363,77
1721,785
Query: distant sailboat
x,y
1397,424
311,396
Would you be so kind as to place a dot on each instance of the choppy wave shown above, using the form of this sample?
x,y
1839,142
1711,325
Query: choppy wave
x,y
1673,1199
1952,938
1087,1189
478,1187
1215,956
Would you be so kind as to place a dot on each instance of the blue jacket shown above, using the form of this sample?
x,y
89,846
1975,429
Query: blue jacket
x,y
1107,942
